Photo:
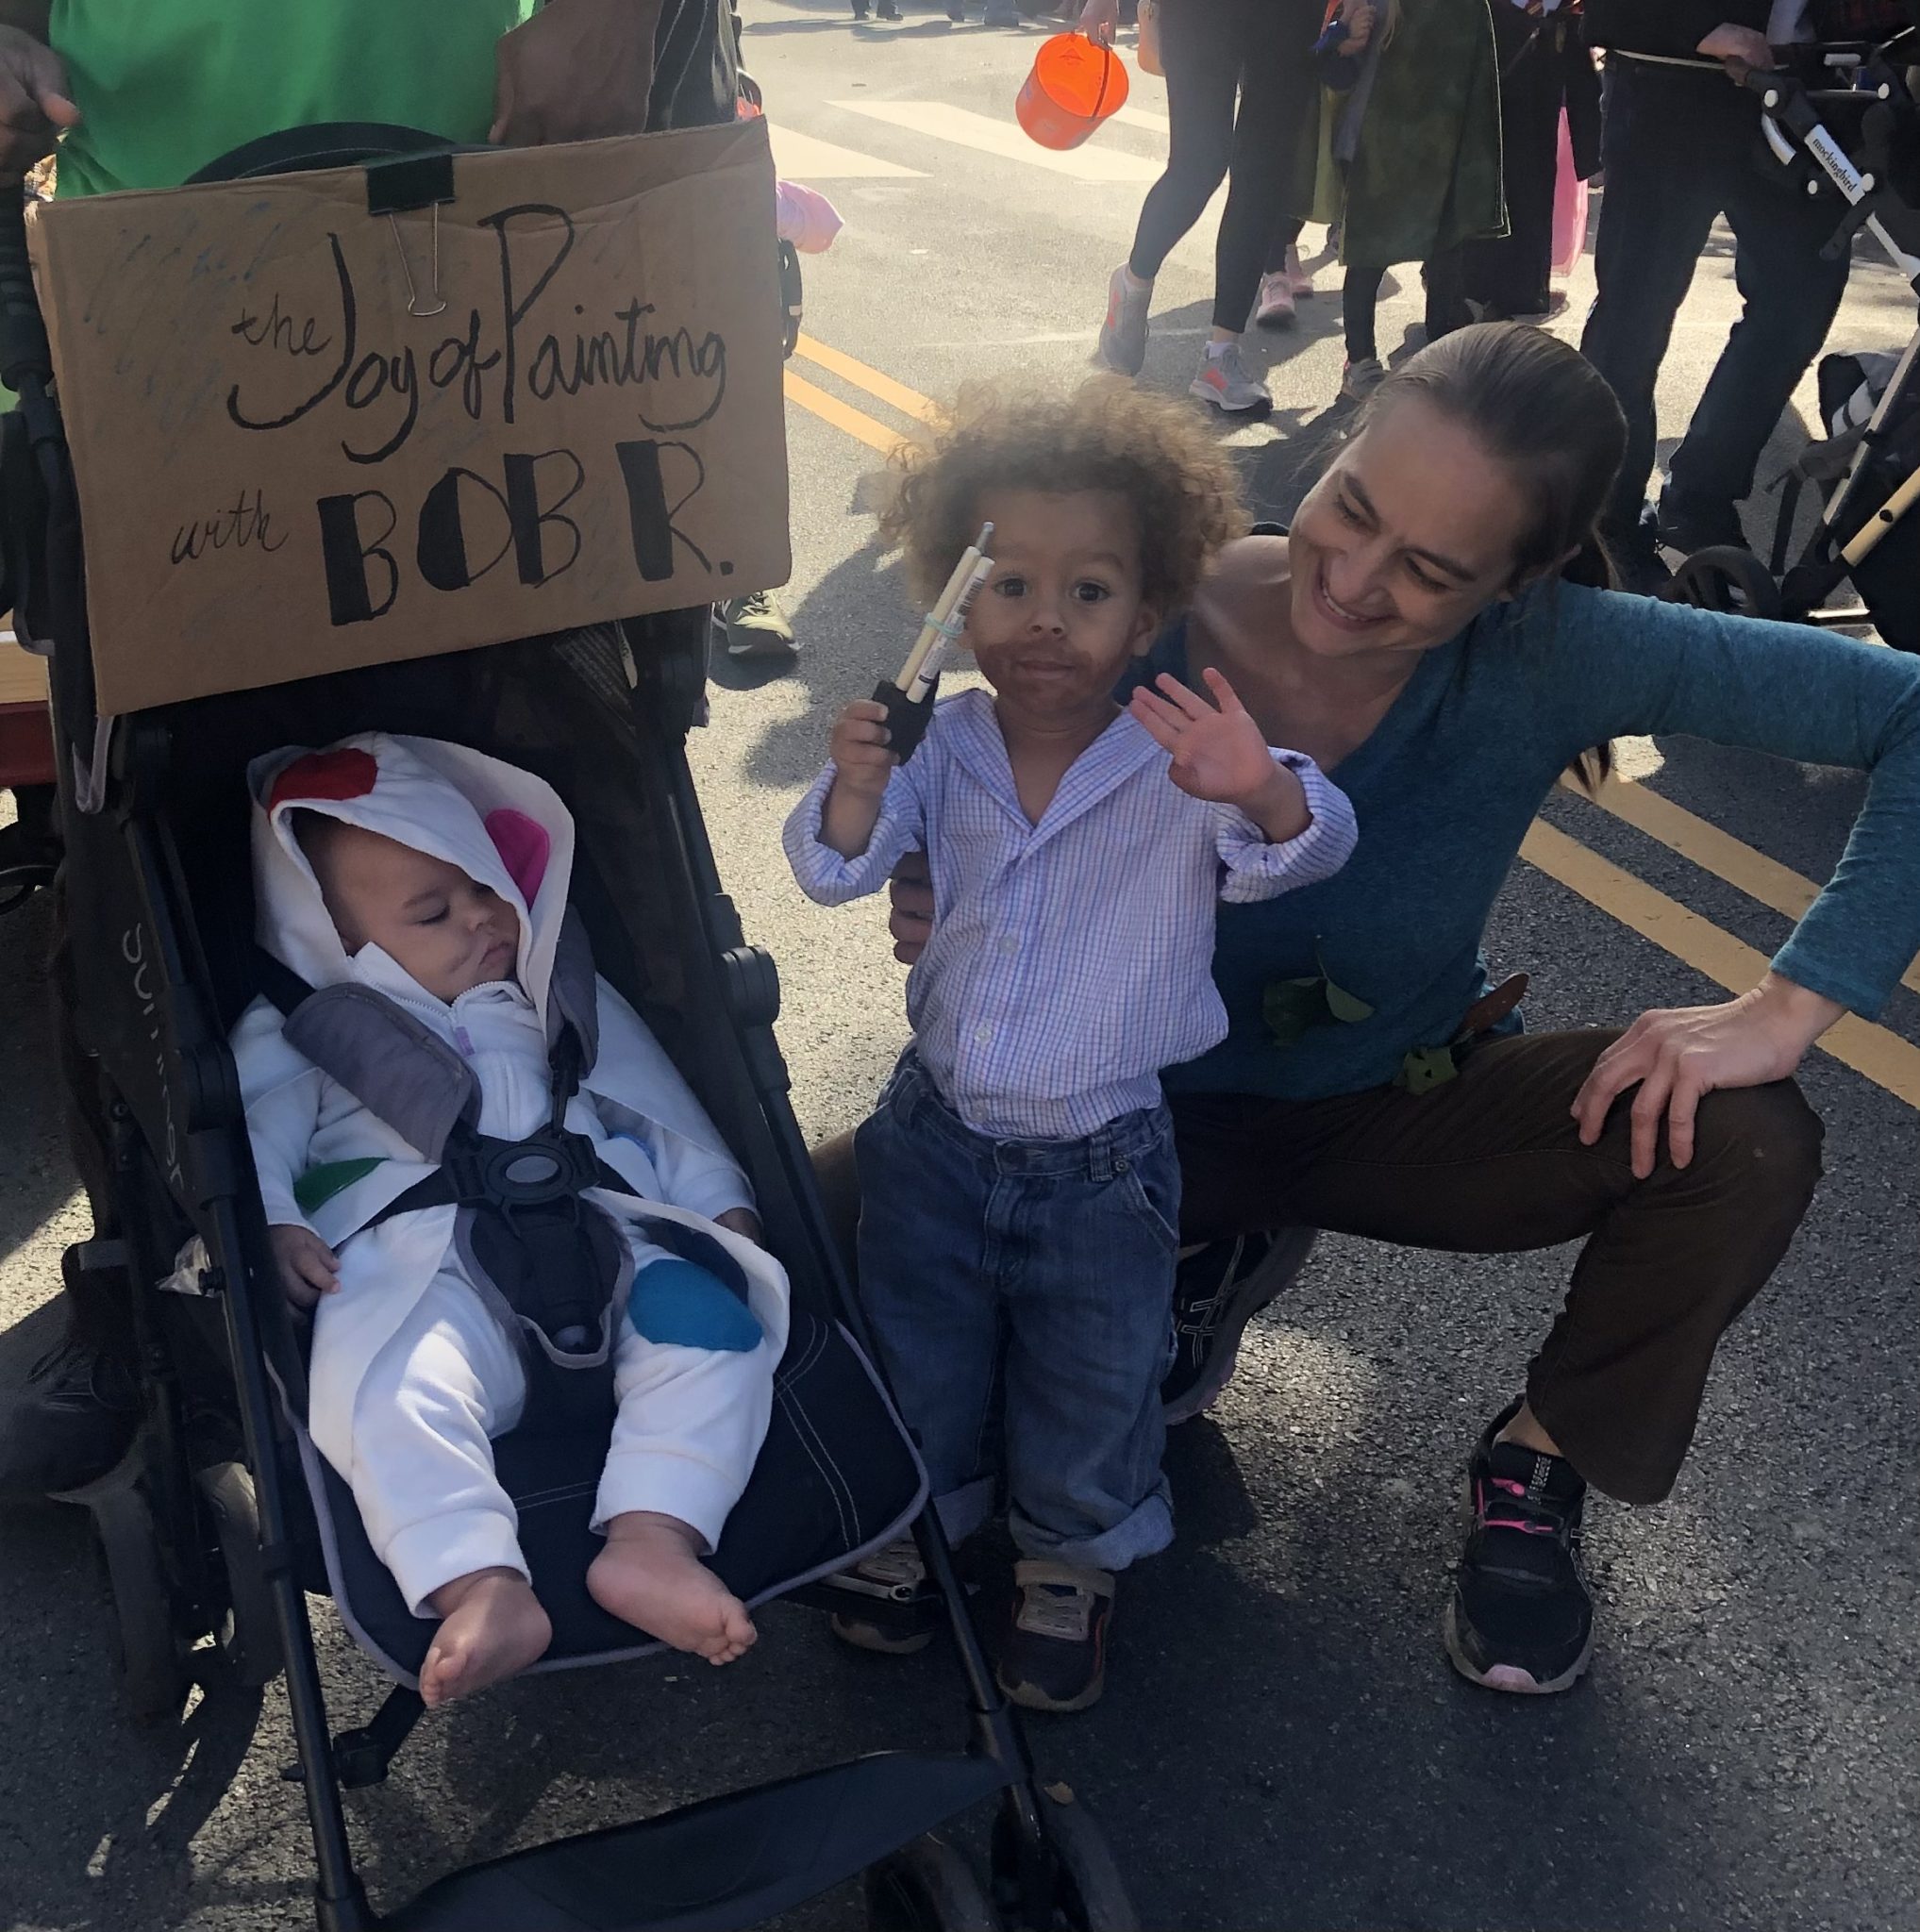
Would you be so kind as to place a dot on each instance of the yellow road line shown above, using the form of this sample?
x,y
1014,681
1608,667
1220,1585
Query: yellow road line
x,y
876,383
1727,858
1884,1058
843,416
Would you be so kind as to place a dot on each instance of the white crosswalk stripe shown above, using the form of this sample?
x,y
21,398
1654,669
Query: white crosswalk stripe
x,y
803,158
1096,161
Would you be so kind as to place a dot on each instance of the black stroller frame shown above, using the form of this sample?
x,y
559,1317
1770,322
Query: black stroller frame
x,y
1878,194
209,1530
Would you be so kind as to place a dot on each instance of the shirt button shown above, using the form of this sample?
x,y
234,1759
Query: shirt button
x,y
1009,943
981,1035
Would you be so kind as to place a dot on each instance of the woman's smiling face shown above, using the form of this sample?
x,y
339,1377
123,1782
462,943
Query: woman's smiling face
x,y
1410,532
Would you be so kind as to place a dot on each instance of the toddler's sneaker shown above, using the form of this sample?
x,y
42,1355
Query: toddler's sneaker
x,y
1055,1657
1222,380
1520,1617
1358,380
899,1609
1274,306
1123,335
1301,278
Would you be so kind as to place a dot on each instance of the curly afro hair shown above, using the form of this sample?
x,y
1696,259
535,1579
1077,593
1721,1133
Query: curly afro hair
x,y
1106,434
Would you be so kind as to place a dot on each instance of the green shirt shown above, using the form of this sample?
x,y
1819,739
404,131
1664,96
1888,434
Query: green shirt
x,y
166,86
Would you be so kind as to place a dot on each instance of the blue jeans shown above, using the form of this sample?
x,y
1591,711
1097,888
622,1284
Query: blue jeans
x,y
1021,1293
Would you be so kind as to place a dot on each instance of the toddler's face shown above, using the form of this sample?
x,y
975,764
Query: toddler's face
x,y
450,932
1062,612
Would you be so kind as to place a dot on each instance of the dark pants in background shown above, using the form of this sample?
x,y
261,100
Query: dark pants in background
x,y
1242,93
1682,147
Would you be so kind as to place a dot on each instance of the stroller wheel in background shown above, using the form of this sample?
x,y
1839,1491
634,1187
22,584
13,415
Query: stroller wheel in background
x,y
1725,577
1089,1894
152,1657
250,1641
929,1886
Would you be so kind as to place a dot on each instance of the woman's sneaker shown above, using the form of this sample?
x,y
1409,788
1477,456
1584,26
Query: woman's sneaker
x,y
1520,1617
1273,306
899,1609
1217,1291
1123,335
1222,380
1358,380
1055,1657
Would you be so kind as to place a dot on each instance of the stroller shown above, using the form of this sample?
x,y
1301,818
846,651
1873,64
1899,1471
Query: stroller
x,y
222,1518
1867,467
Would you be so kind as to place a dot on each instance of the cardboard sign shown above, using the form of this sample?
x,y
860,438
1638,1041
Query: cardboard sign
x,y
308,437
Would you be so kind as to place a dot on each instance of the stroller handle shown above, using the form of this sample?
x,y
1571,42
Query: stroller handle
x,y
26,358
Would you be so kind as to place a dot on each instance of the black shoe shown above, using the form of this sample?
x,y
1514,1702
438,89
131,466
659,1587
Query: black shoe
x,y
1217,1291
893,1607
1634,554
1687,524
1055,1657
69,1421
886,10
1521,1619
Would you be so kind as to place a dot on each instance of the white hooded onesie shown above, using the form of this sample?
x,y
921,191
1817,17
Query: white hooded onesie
x,y
411,1375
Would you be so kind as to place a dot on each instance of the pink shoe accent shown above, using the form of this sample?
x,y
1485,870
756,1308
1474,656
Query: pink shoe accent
x,y
1486,1522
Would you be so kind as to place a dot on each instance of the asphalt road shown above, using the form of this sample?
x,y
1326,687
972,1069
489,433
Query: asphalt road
x,y
1282,1744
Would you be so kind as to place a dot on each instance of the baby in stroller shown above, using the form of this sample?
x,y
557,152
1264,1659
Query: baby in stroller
x,y
501,1199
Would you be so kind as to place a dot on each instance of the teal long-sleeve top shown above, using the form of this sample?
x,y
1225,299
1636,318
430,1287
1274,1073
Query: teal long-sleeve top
x,y
1445,787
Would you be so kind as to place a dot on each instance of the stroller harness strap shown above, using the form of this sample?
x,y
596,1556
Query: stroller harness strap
x,y
555,1267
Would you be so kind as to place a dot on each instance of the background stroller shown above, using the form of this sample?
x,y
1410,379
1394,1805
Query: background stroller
x,y
221,1516
1863,139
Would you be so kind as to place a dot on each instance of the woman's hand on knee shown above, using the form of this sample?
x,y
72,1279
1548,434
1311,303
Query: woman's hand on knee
x,y
1677,1056
911,917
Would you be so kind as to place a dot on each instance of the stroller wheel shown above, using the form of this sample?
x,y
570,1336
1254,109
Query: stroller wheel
x,y
1089,1894
1725,577
153,1665
251,1642
927,1886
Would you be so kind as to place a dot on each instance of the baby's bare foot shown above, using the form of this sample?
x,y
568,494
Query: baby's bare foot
x,y
492,1627
650,1575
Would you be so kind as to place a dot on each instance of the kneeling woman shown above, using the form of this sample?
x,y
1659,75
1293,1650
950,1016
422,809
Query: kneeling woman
x,y
1431,635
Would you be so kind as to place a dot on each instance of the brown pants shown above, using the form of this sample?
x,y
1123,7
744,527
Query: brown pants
x,y
1492,1164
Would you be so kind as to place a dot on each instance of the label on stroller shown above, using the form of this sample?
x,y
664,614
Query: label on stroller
x,y
308,438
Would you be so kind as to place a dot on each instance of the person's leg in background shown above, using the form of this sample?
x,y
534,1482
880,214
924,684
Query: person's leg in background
x,y
1202,61
1507,275
1491,1162
1789,296
1666,156
1279,108
1360,300
1282,279
73,1416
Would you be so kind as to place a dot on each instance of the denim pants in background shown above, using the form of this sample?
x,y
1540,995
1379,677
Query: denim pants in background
x,y
1021,1293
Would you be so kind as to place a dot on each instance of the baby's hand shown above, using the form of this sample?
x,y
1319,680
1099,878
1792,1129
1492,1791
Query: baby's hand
x,y
741,1221
1219,754
309,1268
1358,18
858,747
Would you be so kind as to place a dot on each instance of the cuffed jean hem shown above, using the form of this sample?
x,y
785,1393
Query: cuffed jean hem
x,y
1144,1531
964,1510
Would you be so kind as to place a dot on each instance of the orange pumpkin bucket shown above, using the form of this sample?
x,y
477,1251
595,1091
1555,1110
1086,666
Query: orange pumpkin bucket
x,y
1075,85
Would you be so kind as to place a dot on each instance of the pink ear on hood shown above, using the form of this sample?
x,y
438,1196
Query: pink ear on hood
x,y
524,847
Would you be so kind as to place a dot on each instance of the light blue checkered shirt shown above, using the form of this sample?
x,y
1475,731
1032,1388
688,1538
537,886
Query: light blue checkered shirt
x,y
1070,960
